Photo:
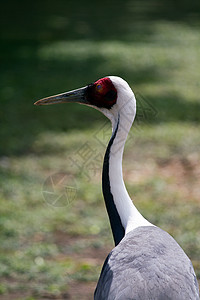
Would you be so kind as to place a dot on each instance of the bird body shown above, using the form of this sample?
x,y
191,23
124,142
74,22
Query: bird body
x,y
147,263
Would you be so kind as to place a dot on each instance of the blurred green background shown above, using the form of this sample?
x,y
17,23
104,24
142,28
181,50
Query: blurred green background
x,y
53,247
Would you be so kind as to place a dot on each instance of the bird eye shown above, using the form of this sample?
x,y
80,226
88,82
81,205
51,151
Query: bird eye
x,y
99,87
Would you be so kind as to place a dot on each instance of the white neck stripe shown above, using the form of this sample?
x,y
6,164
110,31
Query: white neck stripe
x,y
129,215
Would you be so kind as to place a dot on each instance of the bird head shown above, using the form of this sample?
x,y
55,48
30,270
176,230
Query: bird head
x,y
111,95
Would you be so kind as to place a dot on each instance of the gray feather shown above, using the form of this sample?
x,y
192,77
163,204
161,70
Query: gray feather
x,y
147,264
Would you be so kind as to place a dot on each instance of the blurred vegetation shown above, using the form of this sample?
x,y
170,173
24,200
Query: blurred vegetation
x,y
49,47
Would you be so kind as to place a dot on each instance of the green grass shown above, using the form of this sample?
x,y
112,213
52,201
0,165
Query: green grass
x,y
45,248
30,252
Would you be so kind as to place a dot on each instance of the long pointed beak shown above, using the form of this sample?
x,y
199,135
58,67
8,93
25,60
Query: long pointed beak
x,y
78,96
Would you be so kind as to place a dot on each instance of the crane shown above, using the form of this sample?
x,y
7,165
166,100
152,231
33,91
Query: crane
x,y
146,263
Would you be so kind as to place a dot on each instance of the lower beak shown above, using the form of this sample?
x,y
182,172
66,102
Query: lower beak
x,y
78,96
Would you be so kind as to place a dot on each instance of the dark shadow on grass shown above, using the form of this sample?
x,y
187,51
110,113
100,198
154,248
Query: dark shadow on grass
x,y
121,20
25,81
172,108
25,78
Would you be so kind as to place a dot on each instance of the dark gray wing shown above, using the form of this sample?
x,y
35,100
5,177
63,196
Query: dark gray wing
x,y
147,264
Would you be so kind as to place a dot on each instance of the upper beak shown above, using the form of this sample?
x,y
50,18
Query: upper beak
x,y
78,96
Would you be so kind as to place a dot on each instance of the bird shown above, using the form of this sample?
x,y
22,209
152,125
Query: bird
x,y
146,262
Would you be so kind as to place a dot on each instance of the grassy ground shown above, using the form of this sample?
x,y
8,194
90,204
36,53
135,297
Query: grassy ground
x,y
53,242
